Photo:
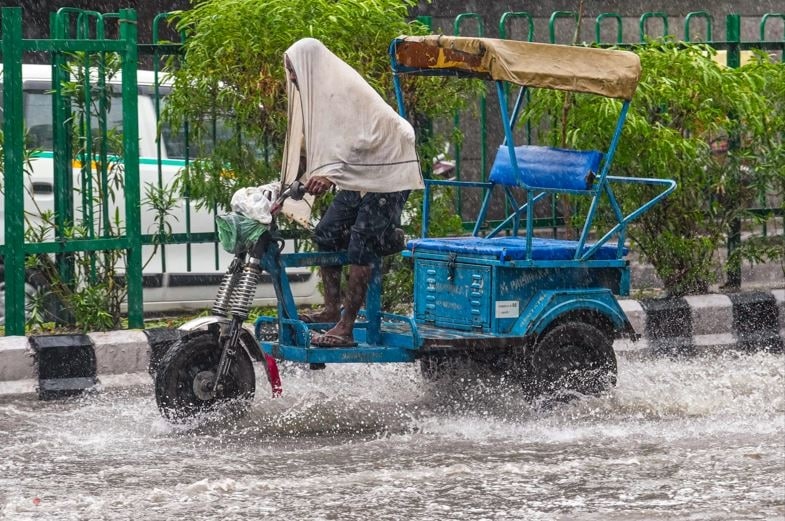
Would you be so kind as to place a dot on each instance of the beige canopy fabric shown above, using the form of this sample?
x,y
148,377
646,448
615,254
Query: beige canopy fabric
x,y
610,73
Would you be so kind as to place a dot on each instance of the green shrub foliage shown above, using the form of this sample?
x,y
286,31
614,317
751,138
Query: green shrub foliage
x,y
685,102
233,67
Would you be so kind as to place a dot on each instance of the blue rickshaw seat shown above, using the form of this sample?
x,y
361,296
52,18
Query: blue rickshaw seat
x,y
511,248
547,168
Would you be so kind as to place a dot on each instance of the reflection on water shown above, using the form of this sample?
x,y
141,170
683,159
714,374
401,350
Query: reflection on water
x,y
697,439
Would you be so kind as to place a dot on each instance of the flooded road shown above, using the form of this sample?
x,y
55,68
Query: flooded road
x,y
695,439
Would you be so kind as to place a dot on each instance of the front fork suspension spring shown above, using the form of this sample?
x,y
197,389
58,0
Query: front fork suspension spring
x,y
225,291
245,289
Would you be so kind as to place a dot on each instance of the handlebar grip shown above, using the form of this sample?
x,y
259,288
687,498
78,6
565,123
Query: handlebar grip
x,y
296,190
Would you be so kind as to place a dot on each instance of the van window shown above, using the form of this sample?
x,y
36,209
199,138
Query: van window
x,y
38,117
174,139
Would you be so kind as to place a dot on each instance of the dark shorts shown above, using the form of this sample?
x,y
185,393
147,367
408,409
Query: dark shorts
x,y
362,225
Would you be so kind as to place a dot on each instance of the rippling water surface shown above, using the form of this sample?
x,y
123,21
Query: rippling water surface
x,y
697,439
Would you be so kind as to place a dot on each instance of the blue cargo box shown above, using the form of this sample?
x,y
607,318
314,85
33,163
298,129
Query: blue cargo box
x,y
483,285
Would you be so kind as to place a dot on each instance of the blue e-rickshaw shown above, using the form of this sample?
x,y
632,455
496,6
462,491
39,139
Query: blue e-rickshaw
x,y
542,309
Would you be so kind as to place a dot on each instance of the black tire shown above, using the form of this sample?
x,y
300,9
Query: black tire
x,y
571,359
189,362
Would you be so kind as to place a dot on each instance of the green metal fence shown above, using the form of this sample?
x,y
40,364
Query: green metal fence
x,y
85,32
82,31
72,31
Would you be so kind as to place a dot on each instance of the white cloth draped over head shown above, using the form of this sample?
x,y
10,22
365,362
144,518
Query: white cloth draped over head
x,y
351,135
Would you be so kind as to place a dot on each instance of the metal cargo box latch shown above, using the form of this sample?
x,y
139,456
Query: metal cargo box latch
x,y
451,267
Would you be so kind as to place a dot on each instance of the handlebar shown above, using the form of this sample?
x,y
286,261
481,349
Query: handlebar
x,y
295,191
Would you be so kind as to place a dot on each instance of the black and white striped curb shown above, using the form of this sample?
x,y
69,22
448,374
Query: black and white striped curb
x,y
64,364
691,325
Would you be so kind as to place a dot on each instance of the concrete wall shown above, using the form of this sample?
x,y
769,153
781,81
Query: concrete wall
x,y
36,12
751,11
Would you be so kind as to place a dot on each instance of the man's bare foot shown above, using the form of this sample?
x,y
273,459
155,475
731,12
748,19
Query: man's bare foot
x,y
330,340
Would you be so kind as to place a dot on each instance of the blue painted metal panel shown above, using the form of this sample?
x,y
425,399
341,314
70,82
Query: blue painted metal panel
x,y
550,305
363,353
466,296
522,287
451,294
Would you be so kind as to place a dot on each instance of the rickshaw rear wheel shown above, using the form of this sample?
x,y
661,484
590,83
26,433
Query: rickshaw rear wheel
x,y
569,360
185,375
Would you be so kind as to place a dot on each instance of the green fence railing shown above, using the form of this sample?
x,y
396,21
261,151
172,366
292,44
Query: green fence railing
x,y
84,31
72,32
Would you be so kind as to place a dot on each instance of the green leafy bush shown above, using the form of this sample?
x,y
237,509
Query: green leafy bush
x,y
233,67
684,102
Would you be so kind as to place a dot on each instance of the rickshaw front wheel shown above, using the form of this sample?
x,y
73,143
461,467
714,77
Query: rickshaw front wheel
x,y
571,359
185,376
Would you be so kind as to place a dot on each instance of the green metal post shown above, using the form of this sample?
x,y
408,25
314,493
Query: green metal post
x,y
157,93
552,22
733,36
427,21
765,18
128,34
512,15
645,17
13,146
63,182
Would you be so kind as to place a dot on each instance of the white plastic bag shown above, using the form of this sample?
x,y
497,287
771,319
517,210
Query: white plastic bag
x,y
255,202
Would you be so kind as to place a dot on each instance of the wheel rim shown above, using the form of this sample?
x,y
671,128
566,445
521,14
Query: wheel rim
x,y
203,385
192,377
186,377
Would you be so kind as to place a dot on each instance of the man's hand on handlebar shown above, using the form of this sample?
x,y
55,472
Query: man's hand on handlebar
x,y
317,185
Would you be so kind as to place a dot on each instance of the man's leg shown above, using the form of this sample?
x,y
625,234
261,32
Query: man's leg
x,y
331,279
359,278
332,234
376,217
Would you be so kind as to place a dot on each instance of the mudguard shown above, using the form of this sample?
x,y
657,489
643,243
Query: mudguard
x,y
548,306
247,340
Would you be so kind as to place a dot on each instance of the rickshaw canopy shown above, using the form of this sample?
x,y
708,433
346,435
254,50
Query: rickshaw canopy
x,y
605,72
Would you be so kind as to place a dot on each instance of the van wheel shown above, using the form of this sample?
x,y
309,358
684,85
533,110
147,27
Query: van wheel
x,y
37,295
573,358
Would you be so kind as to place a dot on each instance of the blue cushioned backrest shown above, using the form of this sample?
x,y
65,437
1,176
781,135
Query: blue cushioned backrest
x,y
547,167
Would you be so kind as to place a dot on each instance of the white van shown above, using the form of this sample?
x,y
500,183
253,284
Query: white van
x,y
178,286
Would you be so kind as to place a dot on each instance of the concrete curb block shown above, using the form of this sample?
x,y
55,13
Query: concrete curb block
x,y
706,323
682,326
116,352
